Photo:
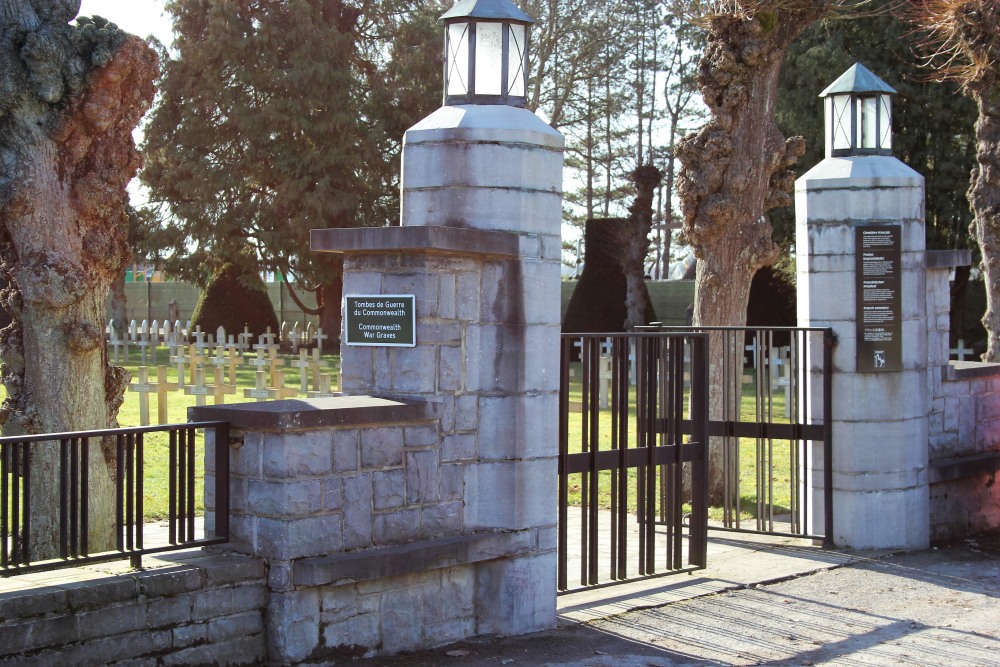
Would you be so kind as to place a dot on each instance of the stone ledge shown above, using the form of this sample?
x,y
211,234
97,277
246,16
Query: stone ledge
x,y
373,564
316,413
946,259
431,239
968,370
947,470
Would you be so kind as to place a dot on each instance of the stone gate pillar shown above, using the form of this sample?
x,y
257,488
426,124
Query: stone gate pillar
x,y
860,267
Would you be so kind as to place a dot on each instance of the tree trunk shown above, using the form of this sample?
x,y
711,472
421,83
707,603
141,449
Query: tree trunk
x,y
636,245
72,96
984,196
733,170
329,298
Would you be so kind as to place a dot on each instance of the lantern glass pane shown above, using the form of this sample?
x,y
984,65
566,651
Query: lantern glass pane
x,y
869,118
841,119
517,60
458,59
489,58
885,121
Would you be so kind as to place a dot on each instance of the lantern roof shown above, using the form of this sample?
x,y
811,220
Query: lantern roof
x,y
858,79
498,10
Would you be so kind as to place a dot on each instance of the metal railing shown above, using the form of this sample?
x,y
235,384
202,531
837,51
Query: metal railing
x,y
54,470
624,402
771,417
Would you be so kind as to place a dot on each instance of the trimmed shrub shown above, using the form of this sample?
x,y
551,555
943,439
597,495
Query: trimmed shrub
x,y
234,300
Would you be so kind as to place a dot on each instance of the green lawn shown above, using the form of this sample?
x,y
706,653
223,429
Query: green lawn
x,y
769,482
156,447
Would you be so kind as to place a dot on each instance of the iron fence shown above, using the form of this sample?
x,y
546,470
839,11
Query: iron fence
x,y
622,455
770,428
47,493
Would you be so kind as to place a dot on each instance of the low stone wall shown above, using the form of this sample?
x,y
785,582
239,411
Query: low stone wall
x,y
963,428
191,608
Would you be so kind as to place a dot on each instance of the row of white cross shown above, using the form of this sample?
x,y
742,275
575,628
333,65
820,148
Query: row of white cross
x,y
193,359
146,336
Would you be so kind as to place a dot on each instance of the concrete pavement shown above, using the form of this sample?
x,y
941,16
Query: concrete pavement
x,y
771,601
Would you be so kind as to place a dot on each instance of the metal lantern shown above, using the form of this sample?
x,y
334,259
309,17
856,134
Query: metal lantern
x,y
486,53
858,114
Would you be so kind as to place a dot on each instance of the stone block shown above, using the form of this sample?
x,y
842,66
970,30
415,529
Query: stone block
x,y
241,651
489,209
389,488
280,499
458,447
873,448
354,637
420,436
110,649
229,600
381,447
168,612
279,575
237,625
542,292
397,527
110,620
516,595
357,369
518,427
510,495
896,519
881,396
187,635
451,480
541,363
496,355
167,581
454,598
421,284
293,625
29,635
451,368
33,602
414,370
467,295
357,511
333,494
360,280
237,494
403,617
442,519
346,450
338,603
447,290
246,460
421,481
466,413
430,332
297,538
494,165
242,533
90,594
288,455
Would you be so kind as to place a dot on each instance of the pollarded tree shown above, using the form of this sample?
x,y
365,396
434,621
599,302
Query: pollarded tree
x,y
70,96
738,166
965,35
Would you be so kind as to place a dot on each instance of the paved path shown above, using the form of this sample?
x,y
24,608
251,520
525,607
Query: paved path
x,y
772,602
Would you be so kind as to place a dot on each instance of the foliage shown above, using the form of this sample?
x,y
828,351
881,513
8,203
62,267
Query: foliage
x,y
276,118
234,299
921,110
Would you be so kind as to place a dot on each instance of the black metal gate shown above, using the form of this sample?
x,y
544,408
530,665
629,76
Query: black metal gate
x,y
769,424
635,435
627,401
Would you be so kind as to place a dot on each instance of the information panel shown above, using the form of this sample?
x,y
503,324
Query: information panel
x,y
879,300
382,320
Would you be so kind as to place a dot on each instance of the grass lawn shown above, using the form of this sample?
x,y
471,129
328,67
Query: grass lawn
x,y
156,446
769,482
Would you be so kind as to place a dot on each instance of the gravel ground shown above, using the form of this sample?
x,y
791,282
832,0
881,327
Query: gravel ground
x,y
928,608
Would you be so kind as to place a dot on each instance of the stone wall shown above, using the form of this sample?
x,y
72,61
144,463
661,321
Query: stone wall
x,y
964,425
191,608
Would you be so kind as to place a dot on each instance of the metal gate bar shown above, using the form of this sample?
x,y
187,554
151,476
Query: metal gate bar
x,y
622,453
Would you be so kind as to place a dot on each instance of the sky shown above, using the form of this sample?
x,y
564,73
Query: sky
x,y
139,17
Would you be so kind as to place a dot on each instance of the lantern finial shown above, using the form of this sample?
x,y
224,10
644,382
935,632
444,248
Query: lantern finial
x,y
858,114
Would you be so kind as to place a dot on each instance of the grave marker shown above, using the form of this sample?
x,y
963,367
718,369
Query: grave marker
x,y
161,388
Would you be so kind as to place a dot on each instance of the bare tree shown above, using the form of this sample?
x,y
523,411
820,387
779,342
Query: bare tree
x,y
71,96
963,41
738,166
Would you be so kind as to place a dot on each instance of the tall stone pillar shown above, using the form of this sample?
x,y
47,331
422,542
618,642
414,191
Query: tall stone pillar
x,y
479,247
874,299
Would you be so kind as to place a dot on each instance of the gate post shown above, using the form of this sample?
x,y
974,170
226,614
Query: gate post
x,y
860,268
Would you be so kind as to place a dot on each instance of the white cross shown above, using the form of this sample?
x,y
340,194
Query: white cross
x,y
960,350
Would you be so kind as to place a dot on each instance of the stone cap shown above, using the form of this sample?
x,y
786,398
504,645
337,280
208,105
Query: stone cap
x,y
946,259
434,239
316,413
968,370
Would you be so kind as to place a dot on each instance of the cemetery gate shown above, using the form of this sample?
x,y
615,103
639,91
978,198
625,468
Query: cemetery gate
x,y
626,403
634,444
